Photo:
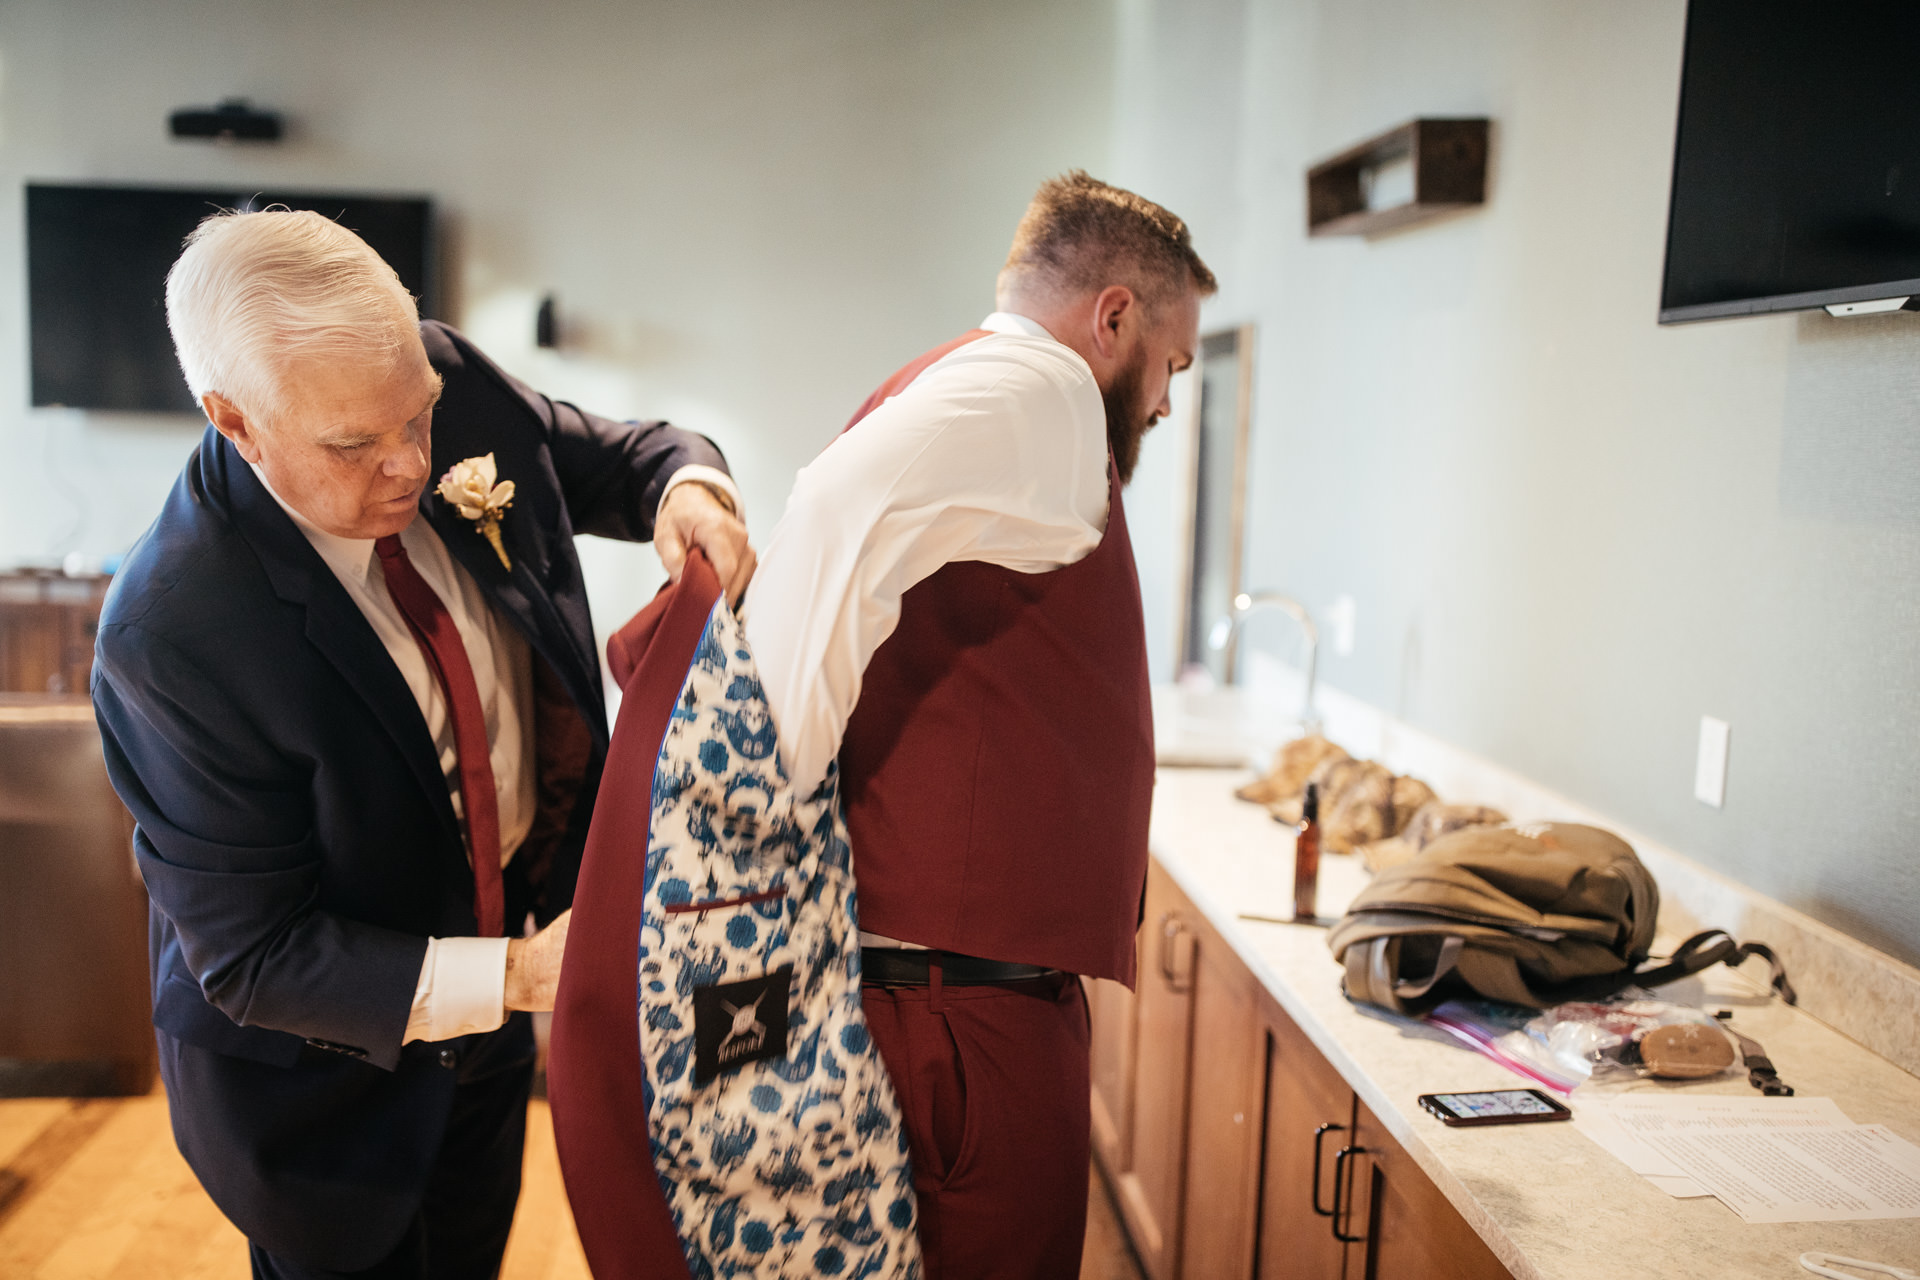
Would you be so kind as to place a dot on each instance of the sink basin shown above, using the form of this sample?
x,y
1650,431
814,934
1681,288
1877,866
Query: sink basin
x,y
1213,729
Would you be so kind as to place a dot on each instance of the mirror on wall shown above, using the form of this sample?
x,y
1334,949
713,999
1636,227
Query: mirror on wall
x,y
1216,522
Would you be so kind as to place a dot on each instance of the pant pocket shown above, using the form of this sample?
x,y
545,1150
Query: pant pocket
x,y
957,1102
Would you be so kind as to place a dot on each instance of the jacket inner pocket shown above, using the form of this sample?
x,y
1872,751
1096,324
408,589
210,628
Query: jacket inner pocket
x,y
720,904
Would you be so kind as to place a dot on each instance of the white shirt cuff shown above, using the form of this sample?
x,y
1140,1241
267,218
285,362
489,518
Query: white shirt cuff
x,y
713,478
462,988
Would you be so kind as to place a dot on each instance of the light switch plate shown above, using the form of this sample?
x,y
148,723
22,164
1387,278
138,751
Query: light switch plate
x,y
1710,770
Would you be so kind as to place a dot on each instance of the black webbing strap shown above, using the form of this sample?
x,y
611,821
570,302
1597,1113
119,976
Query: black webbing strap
x,y
1760,1072
1706,949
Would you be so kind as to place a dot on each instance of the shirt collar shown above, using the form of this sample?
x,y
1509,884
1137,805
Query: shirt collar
x,y
351,559
1013,322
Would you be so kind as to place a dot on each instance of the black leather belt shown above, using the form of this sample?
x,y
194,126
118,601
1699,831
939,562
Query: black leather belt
x,y
896,967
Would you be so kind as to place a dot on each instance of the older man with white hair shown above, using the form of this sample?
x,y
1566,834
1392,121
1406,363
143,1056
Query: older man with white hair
x,y
357,715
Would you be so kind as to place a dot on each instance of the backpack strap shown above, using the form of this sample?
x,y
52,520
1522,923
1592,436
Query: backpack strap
x,y
1372,972
1760,1072
1708,948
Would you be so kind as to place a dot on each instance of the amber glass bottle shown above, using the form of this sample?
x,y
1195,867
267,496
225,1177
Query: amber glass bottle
x,y
1306,856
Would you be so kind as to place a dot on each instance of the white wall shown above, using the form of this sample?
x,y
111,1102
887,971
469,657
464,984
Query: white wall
x,y
1570,531
751,211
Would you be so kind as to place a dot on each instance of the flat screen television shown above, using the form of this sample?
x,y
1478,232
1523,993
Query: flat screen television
x,y
1796,170
97,260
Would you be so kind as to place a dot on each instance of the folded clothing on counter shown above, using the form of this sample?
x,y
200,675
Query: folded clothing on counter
x,y
1365,807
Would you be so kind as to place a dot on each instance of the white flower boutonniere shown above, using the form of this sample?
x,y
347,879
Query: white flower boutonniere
x,y
469,486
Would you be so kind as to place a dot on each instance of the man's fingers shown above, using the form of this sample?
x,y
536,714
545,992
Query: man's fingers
x,y
724,540
719,550
551,944
742,577
693,517
671,550
533,965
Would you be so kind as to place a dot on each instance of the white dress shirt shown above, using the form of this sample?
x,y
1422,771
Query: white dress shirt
x,y
997,452
463,981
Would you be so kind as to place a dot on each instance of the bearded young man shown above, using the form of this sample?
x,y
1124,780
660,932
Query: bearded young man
x,y
950,606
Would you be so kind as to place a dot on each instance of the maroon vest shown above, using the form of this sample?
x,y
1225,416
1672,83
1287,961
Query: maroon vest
x,y
998,770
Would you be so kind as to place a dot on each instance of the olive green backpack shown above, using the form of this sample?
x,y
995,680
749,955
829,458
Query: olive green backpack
x,y
1532,915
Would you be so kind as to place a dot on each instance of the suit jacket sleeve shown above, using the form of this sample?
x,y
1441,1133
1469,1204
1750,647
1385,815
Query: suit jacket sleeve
x,y
612,474
227,849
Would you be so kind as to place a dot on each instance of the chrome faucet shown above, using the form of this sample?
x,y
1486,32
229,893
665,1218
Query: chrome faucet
x,y
1224,632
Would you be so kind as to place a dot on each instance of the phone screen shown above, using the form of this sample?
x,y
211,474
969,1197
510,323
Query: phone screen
x,y
1500,1102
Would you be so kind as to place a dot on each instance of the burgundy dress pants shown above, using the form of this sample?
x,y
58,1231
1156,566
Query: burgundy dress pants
x,y
994,1084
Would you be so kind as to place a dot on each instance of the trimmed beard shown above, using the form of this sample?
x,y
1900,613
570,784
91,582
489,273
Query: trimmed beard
x,y
1127,425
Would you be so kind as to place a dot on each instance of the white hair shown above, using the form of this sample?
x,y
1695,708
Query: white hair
x,y
254,293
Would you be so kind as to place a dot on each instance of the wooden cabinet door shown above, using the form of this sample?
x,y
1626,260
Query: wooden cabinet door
x,y
1111,1010
1223,1117
1309,1118
1223,1130
1151,1186
1411,1231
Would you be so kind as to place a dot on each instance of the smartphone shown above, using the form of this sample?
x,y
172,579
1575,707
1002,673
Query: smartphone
x,y
1496,1106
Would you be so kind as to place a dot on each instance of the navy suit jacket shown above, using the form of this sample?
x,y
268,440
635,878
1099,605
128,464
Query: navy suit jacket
x,y
294,829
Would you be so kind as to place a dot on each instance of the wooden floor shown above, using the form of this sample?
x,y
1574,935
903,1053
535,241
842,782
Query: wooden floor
x,y
94,1188
1108,1256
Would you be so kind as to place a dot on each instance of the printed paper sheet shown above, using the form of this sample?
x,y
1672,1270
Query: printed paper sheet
x,y
1768,1159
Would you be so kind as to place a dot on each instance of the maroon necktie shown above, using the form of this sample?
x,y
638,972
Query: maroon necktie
x,y
439,642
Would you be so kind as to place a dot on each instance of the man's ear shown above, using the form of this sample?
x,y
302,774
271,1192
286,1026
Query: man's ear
x,y
1115,310
230,422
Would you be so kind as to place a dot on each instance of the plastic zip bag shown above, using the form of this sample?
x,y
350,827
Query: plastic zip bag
x,y
1635,1034
1630,1035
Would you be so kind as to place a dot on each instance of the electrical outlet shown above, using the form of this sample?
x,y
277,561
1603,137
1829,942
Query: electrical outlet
x,y
1340,622
1710,769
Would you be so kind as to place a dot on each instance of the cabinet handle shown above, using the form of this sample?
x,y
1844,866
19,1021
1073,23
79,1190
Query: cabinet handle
x,y
1339,1162
1172,930
1318,1134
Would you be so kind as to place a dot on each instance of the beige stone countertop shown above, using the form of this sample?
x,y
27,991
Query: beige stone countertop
x,y
1552,1204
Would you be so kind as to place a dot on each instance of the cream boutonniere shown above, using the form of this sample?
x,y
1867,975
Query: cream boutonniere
x,y
469,486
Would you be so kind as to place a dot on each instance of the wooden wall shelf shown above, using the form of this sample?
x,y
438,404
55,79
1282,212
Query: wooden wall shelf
x,y
1449,159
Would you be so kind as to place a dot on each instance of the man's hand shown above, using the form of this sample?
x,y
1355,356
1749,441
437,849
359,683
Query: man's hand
x,y
692,516
533,966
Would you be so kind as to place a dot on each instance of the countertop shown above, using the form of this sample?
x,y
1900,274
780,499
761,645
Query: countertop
x,y
1548,1201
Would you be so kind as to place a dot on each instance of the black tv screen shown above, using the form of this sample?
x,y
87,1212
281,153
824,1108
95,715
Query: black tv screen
x,y
97,260
1796,171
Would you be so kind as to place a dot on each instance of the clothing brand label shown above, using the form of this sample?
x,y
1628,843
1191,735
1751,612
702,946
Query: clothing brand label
x,y
739,1022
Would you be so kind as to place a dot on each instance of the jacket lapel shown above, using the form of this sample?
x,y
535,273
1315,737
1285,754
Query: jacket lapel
x,y
523,593
335,624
